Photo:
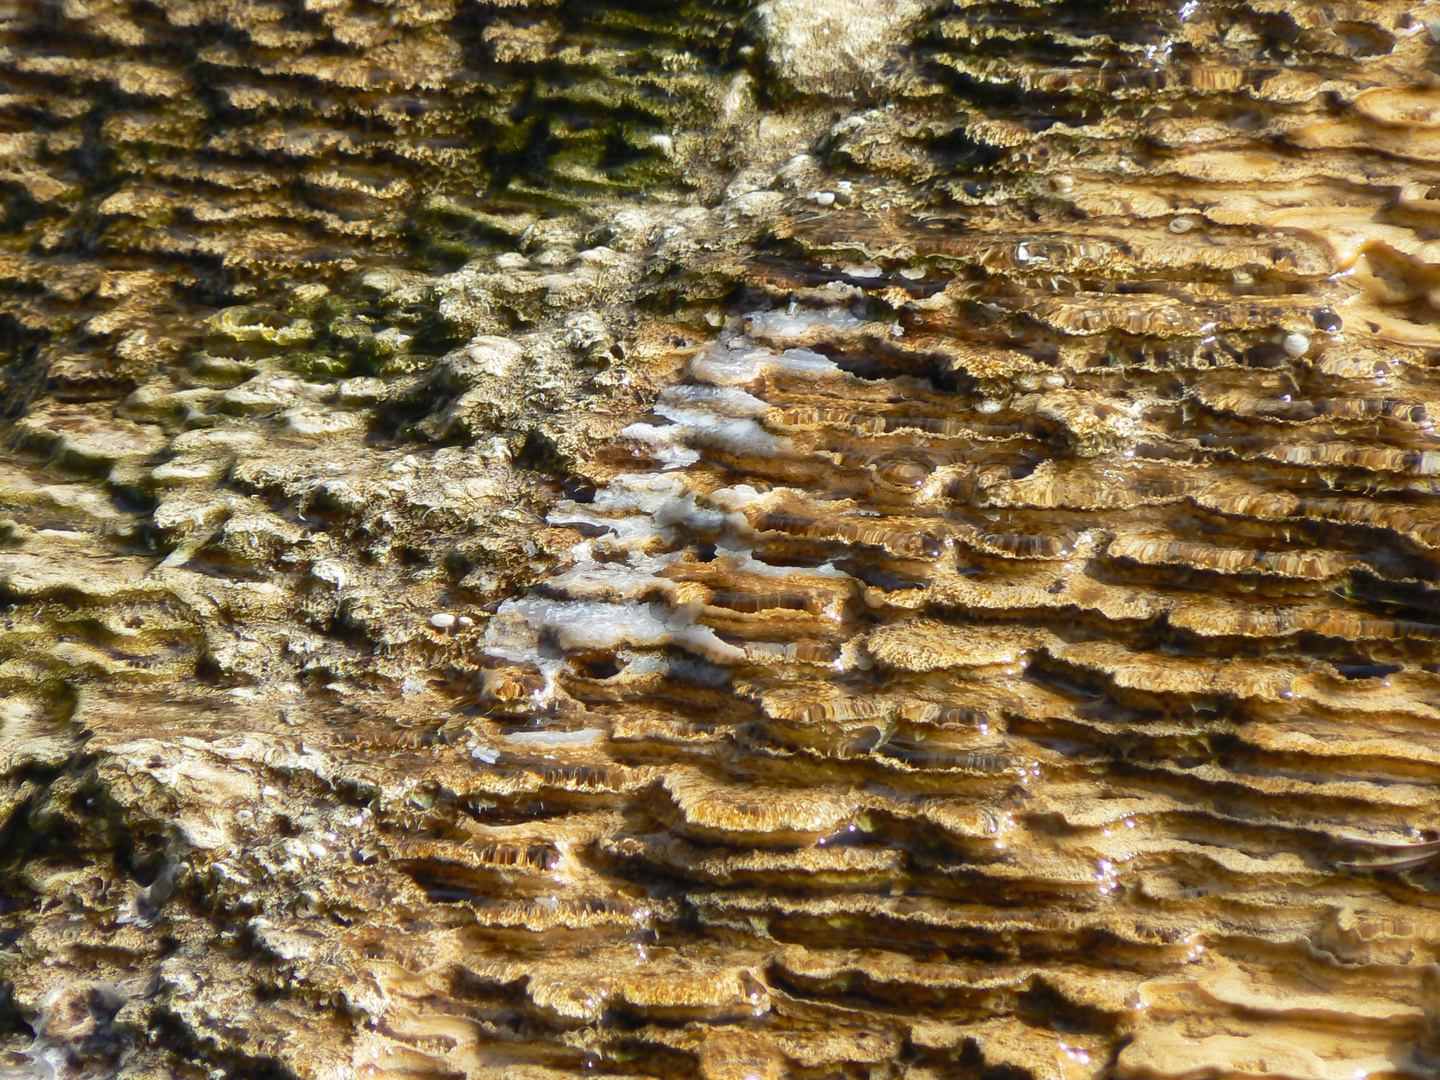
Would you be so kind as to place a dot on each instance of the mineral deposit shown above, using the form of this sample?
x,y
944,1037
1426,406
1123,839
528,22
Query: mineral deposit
x,y
818,538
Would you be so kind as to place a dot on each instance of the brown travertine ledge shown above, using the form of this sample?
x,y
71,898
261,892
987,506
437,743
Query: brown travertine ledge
x,y
809,539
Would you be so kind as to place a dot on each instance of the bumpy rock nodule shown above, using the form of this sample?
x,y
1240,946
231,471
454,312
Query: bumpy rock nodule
x,y
802,539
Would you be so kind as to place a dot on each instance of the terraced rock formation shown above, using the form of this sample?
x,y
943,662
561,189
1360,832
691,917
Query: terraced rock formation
x,y
809,539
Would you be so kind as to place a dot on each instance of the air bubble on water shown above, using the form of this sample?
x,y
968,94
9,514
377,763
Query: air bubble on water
x,y
1296,343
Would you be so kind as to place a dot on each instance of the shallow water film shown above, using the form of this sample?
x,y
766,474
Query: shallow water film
x,y
821,538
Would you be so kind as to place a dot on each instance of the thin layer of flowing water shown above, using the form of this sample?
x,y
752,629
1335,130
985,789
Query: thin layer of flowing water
x,y
824,538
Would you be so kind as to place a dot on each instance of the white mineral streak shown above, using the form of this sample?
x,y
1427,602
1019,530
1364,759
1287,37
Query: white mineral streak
x,y
554,739
733,365
627,607
584,626
795,323
704,416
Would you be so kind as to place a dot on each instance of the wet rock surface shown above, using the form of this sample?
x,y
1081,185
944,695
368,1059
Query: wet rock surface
x,y
805,539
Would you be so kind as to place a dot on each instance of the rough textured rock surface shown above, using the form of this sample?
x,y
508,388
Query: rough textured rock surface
x,y
561,538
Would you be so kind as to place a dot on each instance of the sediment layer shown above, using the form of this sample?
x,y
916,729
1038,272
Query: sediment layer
x,y
829,539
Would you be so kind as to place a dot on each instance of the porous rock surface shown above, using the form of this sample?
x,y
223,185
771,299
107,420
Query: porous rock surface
x,y
560,538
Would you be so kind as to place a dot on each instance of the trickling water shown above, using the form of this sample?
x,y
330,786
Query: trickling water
x,y
828,538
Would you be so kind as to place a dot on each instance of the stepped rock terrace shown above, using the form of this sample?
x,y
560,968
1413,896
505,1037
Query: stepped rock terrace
x,y
554,538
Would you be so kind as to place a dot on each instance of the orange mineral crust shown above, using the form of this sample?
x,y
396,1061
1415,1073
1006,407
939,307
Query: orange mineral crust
x,y
818,539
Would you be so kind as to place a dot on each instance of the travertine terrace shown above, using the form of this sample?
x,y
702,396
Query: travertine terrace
x,y
814,538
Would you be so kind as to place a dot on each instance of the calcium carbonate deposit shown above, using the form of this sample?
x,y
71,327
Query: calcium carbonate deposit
x,y
735,541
